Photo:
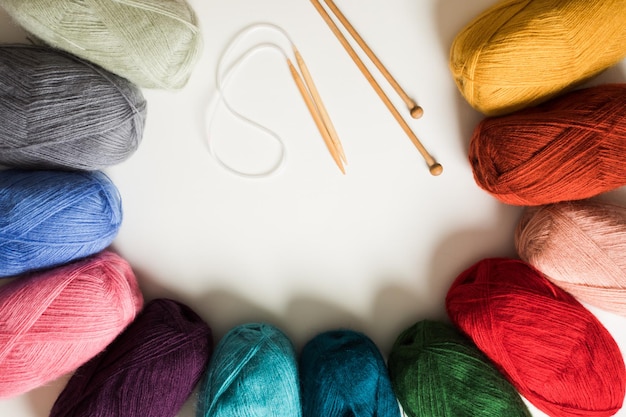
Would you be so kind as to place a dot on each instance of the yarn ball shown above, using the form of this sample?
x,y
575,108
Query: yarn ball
x,y
151,369
154,44
342,373
436,371
57,111
49,218
253,372
553,350
581,247
569,148
54,321
520,53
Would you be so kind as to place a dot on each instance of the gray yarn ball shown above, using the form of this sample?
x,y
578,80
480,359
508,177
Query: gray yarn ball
x,y
60,112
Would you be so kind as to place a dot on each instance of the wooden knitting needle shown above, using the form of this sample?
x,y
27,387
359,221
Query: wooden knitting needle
x,y
434,167
415,110
308,80
316,117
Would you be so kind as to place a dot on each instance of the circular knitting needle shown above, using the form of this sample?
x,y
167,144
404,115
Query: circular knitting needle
x,y
315,115
315,95
434,167
415,110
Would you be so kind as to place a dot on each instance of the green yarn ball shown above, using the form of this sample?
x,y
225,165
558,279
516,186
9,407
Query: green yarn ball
x,y
436,372
152,43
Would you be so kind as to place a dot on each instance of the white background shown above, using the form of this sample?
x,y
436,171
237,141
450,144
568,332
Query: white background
x,y
310,249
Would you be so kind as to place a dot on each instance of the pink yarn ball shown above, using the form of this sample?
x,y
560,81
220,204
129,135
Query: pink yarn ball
x,y
54,321
579,246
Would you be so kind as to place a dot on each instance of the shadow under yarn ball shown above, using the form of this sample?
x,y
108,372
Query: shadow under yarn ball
x,y
154,44
149,370
438,372
253,372
60,112
552,349
343,374
49,218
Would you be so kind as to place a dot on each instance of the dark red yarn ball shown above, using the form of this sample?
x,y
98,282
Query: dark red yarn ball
x,y
150,370
570,148
548,345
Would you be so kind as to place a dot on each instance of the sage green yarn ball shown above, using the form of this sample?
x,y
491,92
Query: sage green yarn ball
x,y
436,371
152,43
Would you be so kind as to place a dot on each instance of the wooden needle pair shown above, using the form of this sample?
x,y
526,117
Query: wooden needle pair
x,y
415,111
316,107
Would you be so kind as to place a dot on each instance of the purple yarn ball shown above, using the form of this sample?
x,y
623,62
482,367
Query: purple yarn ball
x,y
150,370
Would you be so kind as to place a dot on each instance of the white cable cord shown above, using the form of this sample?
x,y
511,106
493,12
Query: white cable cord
x,y
222,79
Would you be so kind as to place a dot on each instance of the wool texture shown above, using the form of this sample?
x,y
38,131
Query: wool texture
x,y
57,111
252,373
570,148
438,372
581,247
519,53
49,218
152,43
150,369
52,322
553,350
343,373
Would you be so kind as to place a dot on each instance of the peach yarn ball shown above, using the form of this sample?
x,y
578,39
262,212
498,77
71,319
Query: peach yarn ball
x,y
579,246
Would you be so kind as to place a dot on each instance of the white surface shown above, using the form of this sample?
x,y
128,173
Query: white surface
x,y
310,249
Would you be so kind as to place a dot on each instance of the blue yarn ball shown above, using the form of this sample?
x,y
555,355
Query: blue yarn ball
x,y
253,372
343,374
49,218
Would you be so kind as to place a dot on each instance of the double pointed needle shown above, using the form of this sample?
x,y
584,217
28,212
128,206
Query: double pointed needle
x,y
316,107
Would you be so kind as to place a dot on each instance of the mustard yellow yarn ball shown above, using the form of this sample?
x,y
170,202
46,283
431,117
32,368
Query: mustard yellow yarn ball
x,y
152,43
519,53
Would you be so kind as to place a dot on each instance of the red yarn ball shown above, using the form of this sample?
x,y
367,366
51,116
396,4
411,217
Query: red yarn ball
x,y
553,350
570,148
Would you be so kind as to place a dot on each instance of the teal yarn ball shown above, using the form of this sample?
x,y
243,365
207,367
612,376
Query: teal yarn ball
x,y
154,44
438,372
343,374
253,372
